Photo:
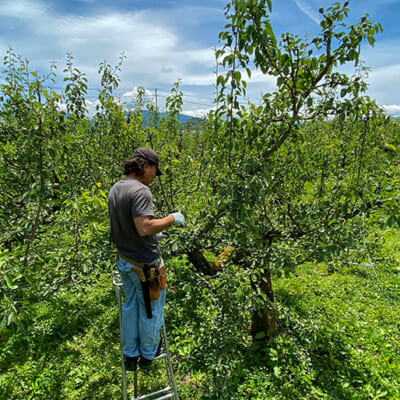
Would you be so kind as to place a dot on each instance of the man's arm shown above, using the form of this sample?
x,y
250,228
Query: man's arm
x,y
147,226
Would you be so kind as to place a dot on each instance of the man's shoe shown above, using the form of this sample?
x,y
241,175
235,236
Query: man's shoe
x,y
144,363
130,363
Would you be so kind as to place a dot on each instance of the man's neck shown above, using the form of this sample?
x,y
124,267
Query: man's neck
x,y
132,175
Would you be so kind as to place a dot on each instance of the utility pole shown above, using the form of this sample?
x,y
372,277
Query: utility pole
x,y
156,100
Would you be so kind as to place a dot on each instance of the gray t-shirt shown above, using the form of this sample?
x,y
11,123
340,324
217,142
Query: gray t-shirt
x,y
127,200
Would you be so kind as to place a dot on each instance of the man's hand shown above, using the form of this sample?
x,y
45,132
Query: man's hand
x,y
161,235
179,219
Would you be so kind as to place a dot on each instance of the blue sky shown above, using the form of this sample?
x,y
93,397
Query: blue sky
x,y
167,40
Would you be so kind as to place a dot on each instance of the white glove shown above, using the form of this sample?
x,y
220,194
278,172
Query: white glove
x,y
161,235
179,219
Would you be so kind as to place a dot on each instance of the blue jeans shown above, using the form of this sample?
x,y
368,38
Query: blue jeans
x,y
140,335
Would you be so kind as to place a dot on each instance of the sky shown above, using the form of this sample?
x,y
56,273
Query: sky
x,y
167,40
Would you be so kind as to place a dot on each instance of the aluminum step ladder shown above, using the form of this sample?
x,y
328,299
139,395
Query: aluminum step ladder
x,y
169,392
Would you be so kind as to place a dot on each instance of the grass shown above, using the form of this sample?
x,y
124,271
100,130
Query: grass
x,y
338,339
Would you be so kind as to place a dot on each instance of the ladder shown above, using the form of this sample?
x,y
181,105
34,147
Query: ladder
x,y
169,392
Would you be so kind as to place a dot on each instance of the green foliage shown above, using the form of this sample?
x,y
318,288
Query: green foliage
x,y
338,337
46,361
51,186
294,175
303,188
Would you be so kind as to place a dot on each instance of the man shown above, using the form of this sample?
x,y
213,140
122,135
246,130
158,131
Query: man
x,y
134,231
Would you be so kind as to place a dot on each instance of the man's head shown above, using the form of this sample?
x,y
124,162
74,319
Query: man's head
x,y
149,155
144,164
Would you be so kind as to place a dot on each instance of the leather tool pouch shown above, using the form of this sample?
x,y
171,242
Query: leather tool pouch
x,y
156,277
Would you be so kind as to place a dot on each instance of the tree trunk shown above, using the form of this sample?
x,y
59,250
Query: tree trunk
x,y
264,317
198,260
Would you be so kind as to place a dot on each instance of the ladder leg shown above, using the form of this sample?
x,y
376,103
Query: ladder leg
x,y
168,364
117,287
135,386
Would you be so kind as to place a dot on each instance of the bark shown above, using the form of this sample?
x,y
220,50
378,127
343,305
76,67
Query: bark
x,y
201,264
264,318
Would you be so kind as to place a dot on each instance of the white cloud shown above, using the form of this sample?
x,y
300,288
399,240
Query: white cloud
x,y
134,92
155,53
62,106
384,84
161,45
260,84
198,112
305,8
23,9
199,79
259,77
3,47
384,52
385,76
204,56
393,110
102,33
91,106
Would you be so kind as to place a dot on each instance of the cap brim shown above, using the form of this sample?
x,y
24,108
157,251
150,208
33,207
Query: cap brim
x,y
159,172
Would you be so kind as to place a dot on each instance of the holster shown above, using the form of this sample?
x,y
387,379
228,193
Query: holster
x,y
146,298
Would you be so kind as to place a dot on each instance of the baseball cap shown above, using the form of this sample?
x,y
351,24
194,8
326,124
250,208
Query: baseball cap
x,y
148,154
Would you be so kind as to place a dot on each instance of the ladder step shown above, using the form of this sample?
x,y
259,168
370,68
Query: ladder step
x,y
361,264
168,396
146,396
160,356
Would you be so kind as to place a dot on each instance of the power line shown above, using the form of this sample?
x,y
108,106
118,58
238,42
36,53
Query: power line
x,y
157,92
152,95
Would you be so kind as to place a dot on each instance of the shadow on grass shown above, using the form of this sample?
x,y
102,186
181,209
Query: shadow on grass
x,y
71,343
311,357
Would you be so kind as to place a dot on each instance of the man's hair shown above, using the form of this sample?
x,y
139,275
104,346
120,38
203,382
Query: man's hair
x,y
135,165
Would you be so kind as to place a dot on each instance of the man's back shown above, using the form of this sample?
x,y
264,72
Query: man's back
x,y
127,200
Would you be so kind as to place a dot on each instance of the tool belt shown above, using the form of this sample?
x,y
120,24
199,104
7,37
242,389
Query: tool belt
x,y
153,277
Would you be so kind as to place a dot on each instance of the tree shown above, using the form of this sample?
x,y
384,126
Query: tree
x,y
294,191
53,212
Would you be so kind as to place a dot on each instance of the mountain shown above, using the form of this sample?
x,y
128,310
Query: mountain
x,y
183,119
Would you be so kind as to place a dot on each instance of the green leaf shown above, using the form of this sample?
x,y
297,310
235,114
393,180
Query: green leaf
x,y
260,335
10,318
391,221
9,282
277,372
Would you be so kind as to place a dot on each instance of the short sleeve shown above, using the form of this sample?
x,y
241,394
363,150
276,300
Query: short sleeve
x,y
142,204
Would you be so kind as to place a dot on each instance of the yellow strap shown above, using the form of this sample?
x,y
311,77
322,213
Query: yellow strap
x,y
136,267
139,272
